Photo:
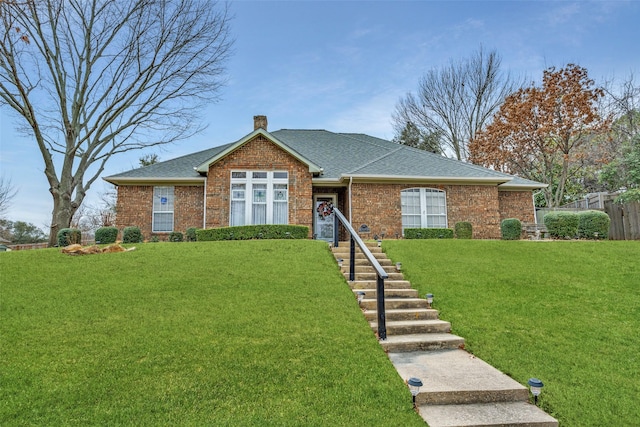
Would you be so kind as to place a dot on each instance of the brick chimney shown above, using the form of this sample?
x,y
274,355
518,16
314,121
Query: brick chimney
x,y
259,122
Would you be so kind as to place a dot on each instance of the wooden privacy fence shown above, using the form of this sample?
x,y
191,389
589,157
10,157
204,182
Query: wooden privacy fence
x,y
625,220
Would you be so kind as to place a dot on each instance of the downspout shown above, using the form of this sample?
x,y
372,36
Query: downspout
x,y
350,199
204,204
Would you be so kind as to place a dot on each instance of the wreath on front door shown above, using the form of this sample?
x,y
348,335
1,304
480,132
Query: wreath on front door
x,y
324,209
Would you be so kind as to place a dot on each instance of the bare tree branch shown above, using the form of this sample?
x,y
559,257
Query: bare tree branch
x,y
101,77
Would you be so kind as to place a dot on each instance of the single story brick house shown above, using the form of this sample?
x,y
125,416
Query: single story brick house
x,y
289,176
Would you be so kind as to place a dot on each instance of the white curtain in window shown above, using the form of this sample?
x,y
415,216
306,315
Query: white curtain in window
x,y
259,204
280,205
423,208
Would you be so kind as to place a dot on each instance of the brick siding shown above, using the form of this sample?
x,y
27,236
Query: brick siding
x,y
134,207
379,207
262,155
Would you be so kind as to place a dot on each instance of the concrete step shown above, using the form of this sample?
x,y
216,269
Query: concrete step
x,y
359,255
421,342
367,268
388,284
372,275
372,284
404,314
388,293
486,414
409,327
395,303
453,377
364,262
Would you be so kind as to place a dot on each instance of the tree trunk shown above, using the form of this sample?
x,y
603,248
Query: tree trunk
x,y
63,210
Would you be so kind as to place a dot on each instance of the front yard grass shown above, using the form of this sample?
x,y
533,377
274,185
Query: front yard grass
x,y
565,312
210,333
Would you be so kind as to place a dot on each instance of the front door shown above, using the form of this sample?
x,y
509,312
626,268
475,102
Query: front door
x,y
323,216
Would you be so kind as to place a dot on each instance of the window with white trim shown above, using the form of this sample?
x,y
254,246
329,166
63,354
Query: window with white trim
x,y
162,209
259,197
423,208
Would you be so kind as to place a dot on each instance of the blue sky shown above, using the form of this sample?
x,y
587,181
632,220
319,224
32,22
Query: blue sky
x,y
342,66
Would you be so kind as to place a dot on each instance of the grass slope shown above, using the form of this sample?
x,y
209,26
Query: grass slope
x,y
211,333
565,312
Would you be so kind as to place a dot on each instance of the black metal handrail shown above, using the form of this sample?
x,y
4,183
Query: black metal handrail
x,y
381,274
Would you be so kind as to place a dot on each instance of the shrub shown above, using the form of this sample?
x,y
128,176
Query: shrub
x,y
593,225
561,225
175,236
191,234
248,232
69,236
511,229
428,233
629,196
464,230
131,235
106,235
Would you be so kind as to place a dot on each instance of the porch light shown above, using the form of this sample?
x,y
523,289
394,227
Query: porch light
x,y
360,297
398,266
414,387
340,262
429,298
536,387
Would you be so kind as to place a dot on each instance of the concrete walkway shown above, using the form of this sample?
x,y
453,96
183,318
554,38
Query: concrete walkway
x,y
459,389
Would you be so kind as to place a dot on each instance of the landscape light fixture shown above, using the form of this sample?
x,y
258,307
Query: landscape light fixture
x,y
429,298
379,243
340,262
360,297
536,387
414,387
398,266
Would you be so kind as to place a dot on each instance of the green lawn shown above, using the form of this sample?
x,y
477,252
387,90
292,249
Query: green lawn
x,y
565,312
211,333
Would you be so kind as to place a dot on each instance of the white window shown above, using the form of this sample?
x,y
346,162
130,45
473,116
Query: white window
x,y
162,209
268,201
423,208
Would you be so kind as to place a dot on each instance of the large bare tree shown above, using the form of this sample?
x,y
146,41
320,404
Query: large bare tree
x,y
94,78
456,101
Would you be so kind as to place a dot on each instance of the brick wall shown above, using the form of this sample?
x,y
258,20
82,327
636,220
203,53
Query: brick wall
x,y
379,206
517,204
134,207
262,155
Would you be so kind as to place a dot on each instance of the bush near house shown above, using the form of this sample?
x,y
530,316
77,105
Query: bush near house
x,y
191,234
511,229
249,232
176,236
106,235
428,233
464,230
131,235
562,225
69,236
593,225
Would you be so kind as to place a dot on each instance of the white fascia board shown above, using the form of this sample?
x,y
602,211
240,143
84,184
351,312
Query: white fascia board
x,y
428,179
204,167
508,186
154,181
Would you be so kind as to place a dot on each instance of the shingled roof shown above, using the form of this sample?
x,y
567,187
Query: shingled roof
x,y
341,156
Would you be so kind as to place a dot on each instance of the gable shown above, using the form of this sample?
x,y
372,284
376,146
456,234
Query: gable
x,y
204,167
